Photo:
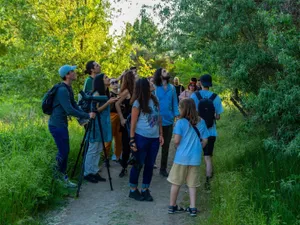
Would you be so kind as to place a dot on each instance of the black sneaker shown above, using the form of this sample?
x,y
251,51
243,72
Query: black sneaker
x,y
136,195
192,211
147,196
123,172
163,173
98,177
90,178
174,209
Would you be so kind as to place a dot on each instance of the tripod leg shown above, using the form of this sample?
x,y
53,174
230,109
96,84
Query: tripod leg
x,y
86,147
78,156
105,154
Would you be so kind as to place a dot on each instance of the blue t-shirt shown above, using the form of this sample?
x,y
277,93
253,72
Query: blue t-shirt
x,y
217,104
148,123
189,149
168,103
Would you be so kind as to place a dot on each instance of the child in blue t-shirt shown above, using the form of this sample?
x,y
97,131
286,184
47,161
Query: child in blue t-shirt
x,y
186,168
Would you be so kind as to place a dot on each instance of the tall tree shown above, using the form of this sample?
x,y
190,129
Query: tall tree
x,y
145,32
41,36
254,46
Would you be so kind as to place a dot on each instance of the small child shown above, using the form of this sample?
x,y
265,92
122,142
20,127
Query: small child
x,y
186,168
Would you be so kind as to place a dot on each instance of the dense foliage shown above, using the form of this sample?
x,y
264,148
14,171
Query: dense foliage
x,y
251,47
38,37
254,47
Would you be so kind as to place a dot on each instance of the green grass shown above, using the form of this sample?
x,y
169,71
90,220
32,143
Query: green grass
x,y
27,159
251,185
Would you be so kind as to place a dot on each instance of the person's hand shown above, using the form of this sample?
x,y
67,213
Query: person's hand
x,y
113,100
133,146
92,115
161,140
123,121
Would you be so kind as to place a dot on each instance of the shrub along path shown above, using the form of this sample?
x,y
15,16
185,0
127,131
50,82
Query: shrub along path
x,y
98,205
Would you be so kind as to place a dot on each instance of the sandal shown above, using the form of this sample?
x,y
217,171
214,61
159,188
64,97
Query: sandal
x,y
174,209
192,211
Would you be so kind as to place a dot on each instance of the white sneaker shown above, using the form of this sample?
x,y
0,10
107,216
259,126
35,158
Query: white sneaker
x,y
69,184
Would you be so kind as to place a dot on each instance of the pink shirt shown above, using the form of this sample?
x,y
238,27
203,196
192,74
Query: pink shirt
x,y
185,94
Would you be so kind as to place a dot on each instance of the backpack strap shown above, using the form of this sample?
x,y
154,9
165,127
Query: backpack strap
x,y
213,96
197,131
198,95
62,84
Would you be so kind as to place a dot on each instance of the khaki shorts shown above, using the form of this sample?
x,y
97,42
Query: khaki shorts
x,y
181,174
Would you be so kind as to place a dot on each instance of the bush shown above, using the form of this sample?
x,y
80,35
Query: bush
x,y
27,155
252,185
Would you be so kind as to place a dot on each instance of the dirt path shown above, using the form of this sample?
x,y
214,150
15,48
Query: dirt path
x,y
98,205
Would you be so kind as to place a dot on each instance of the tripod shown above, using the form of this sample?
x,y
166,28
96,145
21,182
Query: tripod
x,y
85,145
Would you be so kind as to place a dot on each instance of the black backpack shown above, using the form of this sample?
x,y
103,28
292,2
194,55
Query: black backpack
x,y
206,109
48,99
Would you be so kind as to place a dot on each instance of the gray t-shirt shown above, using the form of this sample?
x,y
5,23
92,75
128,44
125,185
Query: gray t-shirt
x,y
148,123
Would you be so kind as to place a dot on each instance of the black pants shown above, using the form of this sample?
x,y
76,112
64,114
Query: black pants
x,y
167,134
126,148
209,148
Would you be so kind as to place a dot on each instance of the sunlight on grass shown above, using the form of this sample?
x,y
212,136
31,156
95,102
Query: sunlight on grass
x,y
250,184
27,152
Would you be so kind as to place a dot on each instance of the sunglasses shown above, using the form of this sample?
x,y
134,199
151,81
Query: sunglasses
x,y
114,82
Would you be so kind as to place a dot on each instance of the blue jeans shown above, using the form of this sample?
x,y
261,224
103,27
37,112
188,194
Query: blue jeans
x,y
61,138
145,156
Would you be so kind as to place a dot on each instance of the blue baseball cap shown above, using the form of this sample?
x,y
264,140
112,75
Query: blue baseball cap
x,y
64,70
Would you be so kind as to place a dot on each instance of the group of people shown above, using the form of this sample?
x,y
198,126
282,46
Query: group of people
x,y
139,114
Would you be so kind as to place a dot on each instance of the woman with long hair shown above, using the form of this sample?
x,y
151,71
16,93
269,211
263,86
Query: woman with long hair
x,y
145,138
167,98
91,169
190,90
123,108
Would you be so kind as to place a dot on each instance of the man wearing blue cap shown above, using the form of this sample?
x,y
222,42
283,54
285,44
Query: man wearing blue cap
x,y
205,95
64,105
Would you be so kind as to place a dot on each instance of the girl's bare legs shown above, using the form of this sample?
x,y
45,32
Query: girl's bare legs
x,y
192,191
174,194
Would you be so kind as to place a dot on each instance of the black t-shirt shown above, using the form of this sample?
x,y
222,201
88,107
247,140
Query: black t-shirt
x,y
179,88
113,106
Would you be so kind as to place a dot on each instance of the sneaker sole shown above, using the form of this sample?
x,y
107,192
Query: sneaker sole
x,y
93,182
175,212
140,200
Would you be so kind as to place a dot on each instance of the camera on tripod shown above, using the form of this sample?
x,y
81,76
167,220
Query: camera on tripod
x,y
86,100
